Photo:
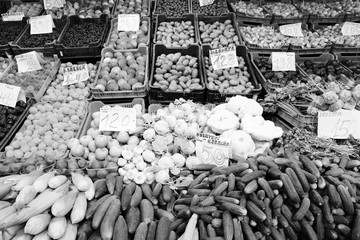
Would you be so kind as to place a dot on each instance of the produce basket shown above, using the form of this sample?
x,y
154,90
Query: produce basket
x,y
17,26
138,92
292,115
220,6
88,8
281,20
93,49
114,24
19,3
159,3
244,19
163,18
214,96
145,5
352,17
156,94
48,49
59,15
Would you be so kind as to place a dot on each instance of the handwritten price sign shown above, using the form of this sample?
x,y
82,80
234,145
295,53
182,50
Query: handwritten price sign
x,y
283,61
339,124
117,119
128,22
292,30
16,16
41,24
28,62
350,29
9,95
205,2
75,74
211,149
49,4
223,58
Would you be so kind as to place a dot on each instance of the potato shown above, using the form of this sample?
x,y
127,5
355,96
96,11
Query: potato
x,y
175,34
218,34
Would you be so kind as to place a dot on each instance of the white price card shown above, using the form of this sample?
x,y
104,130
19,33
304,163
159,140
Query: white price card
x,y
350,29
292,30
211,149
9,95
16,16
28,62
205,2
41,24
283,61
49,4
223,58
339,125
128,22
117,119
75,74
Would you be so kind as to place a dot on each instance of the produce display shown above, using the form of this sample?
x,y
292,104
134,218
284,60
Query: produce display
x,y
70,8
175,34
326,9
4,64
217,8
30,9
9,32
9,116
172,8
249,9
218,34
285,10
133,6
95,8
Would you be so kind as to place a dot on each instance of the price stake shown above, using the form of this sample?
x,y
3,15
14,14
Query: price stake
x,y
16,16
9,94
223,58
211,149
75,74
128,22
117,119
49,4
41,24
339,124
283,61
350,29
292,30
28,62
205,2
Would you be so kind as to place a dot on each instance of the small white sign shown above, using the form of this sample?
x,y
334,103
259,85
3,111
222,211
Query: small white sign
x,y
292,30
41,24
283,61
9,95
49,4
28,62
117,119
205,2
211,149
75,74
350,29
16,16
223,58
128,22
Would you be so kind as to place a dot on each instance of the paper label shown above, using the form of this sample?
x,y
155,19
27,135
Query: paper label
x,y
17,16
339,125
41,24
117,119
350,29
128,22
205,2
75,74
283,61
28,62
9,95
292,30
49,4
211,149
223,58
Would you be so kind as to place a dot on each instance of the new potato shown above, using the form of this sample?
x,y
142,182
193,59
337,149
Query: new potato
x,y
218,34
175,34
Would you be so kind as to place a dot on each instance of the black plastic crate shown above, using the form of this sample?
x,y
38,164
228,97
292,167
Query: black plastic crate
x,y
280,19
204,10
242,18
168,12
18,26
354,57
352,17
214,96
92,49
156,94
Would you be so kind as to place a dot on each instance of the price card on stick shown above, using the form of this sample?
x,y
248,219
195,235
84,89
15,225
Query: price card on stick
x,y
128,22
75,74
41,24
283,61
117,119
350,29
292,30
28,62
16,16
211,149
49,4
223,58
339,125
9,94
205,2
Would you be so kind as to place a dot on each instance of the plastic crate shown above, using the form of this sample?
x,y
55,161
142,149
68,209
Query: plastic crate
x,y
294,117
48,11
158,3
139,92
18,3
114,24
48,49
87,5
214,96
92,49
196,9
157,94
163,18
146,4
222,19
352,17
20,26
355,57
244,19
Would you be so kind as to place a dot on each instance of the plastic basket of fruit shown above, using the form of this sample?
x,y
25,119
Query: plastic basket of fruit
x,y
226,83
350,61
292,115
11,120
34,83
172,8
120,40
176,32
44,43
30,9
70,8
122,74
185,81
82,37
284,12
217,8
141,7
96,8
9,32
248,12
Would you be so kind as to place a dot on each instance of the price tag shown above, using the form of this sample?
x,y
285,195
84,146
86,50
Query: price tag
x,y
9,95
292,30
205,2
49,4
41,24
339,124
223,58
211,149
283,61
128,22
117,119
350,29
75,74
16,16
28,62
